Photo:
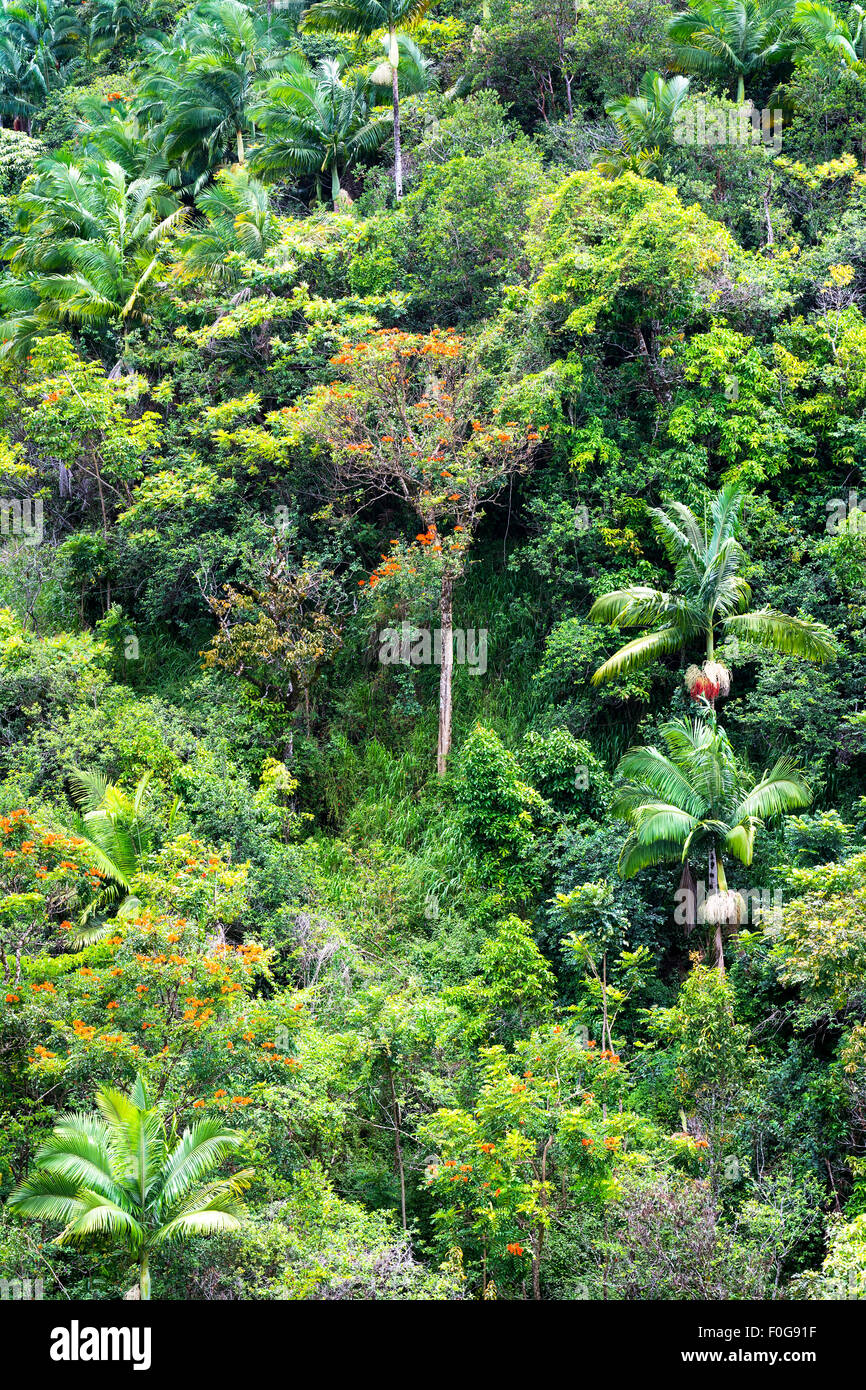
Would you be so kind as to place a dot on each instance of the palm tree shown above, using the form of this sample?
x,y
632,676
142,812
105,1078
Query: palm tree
x,y
365,18
822,28
415,71
202,81
108,133
22,83
712,598
317,123
729,41
114,827
111,22
694,798
86,244
118,1174
645,124
38,43
240,220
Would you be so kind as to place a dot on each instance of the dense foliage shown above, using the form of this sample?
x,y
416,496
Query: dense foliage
x,y
432,641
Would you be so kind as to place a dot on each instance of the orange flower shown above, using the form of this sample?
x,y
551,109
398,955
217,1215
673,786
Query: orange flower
x,y
515,1249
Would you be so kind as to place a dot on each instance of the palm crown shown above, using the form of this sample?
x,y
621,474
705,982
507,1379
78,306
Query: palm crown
x,y
366,17
202,81
729,40
694,799
712,598
821,27
645,124
317,122
240,222
87,243
38,40
118,1174
113,824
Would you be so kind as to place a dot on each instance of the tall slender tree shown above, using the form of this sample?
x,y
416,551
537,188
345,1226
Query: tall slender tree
x,y
402,427
694,799
365,18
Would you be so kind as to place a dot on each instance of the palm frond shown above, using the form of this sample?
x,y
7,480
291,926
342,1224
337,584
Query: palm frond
x,y
803,637
639,653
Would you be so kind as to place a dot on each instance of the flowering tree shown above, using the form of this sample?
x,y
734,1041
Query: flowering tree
x,y
545,1124
46,877
401,425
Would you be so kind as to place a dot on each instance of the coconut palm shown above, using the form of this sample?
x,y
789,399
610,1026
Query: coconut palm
x,y
712,599
365,18
119,1176
87,241
730,41
317,123
645,125
694,799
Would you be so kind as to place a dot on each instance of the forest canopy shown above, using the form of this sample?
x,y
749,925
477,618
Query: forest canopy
x,y
432,642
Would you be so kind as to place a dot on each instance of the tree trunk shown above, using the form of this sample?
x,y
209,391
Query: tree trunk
x,y
537,1239
713,887
335,184
538,1233
394,59
144,1277
741,89
446,673
240,136
398,1148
